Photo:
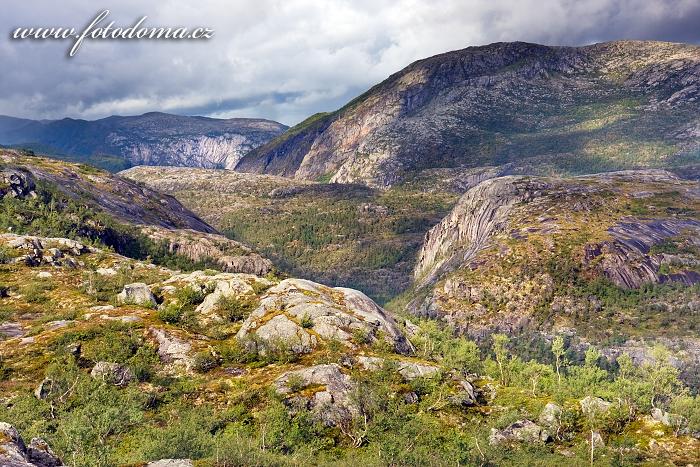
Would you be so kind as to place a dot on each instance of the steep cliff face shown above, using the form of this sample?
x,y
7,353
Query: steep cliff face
x,y
478,215
573,110
151,139
521,252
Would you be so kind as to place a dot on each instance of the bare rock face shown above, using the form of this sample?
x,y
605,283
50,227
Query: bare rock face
x,y
153,138
15,453
480,213
500,255
229,255
137,293
627,259
300,312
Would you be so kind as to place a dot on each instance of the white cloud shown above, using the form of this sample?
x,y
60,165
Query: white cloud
x,y
285,60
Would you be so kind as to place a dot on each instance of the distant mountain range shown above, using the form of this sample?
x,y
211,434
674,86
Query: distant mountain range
x,y
153,138
527,107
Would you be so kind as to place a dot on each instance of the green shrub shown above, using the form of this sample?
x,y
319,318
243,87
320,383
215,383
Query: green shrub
x,y
234,308
306,322
204,361
35,292
171,313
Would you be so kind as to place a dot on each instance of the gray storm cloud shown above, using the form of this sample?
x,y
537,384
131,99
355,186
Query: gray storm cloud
x,y
285,60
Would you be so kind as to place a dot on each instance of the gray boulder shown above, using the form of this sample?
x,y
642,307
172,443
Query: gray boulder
x,y
137,294
172,349
413,370
40,454
678,422
522,431
44,389
15,453
466,397
113,373
171,463
550,416
592,406
17,183
332,404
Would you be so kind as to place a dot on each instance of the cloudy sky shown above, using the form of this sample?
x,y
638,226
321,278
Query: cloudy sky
x,y
284,59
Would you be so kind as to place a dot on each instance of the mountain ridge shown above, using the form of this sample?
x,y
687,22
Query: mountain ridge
x,y
500,103
155,138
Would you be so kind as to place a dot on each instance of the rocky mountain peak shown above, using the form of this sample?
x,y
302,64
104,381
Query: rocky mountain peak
x,y
502,103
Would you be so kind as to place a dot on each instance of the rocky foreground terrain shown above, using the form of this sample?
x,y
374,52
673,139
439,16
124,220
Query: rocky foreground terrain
x,y
539,109
153,139
111,361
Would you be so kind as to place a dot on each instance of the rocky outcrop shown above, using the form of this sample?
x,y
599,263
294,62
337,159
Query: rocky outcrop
x,y
150,139
515,246
52,251
505,102
16,183
137,294
330,399
627,259
229,255
523,431
172,349
118,197
15,453
113,373
480,213
302,314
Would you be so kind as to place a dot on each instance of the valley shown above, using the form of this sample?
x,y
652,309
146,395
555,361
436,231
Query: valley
x,y
490,258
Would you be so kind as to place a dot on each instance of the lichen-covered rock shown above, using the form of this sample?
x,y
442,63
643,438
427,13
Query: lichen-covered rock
x,y
171,463
550,417
332,402
40,454
524,431
305,312
113,373
137,294
594,406
15,453
172,349
226,285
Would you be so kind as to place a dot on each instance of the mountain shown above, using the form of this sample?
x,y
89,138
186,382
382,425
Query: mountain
x,y
611,258
153,139
530,108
